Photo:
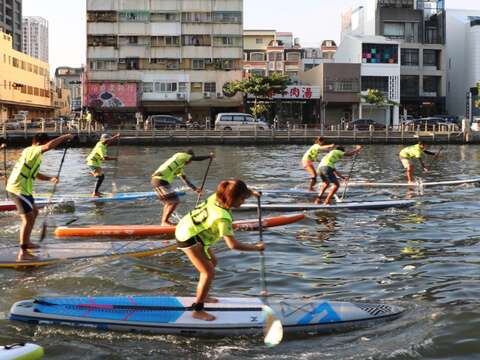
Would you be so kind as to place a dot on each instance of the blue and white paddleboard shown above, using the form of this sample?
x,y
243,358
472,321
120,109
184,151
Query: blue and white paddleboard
x,y
364,205
21,351
107,197
172,315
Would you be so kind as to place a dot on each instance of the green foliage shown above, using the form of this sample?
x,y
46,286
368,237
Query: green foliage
x,y
259,109
377,98
258,86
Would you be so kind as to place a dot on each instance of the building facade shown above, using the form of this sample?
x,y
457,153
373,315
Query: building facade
x,y
162,57
35,37
11,21
419,27
463,58
24,83
72,79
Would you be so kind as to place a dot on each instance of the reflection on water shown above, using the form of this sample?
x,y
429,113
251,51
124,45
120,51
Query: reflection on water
x,y
425,258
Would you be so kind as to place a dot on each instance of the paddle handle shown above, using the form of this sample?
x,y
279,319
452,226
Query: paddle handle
x,y
349,175
263,277
115,171
5,180
204,181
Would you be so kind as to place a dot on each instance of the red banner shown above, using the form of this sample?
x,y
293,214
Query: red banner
x,y
111,95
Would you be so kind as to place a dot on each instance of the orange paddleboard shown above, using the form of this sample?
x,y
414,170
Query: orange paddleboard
x,y
155,230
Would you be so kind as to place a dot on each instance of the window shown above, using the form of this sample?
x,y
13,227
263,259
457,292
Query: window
x,y
431,85
375,82
163,87
275,56
394,30
165,40
227,41
257,57
173,64
410,57
430,58
15,62
134,16
343,85
133,39
164,17
132,63
224,64
210,87
148,87
379,53
197,40
259,41
198,64
196,87
182,87
227,17
409,85
197,17
293,56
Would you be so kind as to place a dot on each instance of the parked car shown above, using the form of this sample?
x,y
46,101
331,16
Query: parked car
x,y
364,124
475,124
14,125
238,121
165,122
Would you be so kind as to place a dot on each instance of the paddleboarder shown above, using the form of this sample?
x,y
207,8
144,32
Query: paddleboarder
x,y
96,158
414,152
163,177
3,147
329,173
20,186
311,156
203,227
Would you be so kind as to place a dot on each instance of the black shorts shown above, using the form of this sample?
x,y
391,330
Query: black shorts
x,y
190,243
328,174
24,203
164,191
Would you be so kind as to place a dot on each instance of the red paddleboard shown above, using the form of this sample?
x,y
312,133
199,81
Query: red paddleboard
x,y
155,230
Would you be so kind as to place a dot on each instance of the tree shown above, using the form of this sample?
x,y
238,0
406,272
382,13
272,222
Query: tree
x,y
377,98
261,87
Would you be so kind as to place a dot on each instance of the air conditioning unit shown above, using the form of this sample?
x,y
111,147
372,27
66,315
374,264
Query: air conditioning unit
x,y
122,61
207,95
220,95
181,96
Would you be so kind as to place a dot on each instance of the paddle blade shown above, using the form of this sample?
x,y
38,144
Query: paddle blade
x,y
44,231
272,327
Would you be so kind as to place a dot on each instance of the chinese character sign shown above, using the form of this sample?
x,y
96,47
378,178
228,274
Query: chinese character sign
x,y
299,92
111,95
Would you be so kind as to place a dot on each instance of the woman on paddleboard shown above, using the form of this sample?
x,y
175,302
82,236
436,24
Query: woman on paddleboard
x,y
96,158
20,186
414,152
163,177
206,225
329,173
311,156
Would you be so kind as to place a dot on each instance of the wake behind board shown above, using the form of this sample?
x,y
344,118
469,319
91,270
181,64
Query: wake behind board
x,y
8,205
50,254
364,205
23,351
415,184
172,315
156,230
107,197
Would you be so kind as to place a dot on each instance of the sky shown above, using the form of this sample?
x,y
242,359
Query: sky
x,y
310,20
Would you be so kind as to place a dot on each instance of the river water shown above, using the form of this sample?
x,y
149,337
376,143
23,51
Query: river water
x,y
426,258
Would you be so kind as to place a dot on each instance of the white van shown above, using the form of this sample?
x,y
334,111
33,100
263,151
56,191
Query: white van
x,y
238,121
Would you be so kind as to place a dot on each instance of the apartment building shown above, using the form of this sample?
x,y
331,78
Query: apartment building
x,y
11,21
313,56
162,57
463,58
419,27
72,78
24,83
35,37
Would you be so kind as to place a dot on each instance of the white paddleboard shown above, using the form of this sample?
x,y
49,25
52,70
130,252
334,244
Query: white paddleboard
x,y
21,351
415,184
172,315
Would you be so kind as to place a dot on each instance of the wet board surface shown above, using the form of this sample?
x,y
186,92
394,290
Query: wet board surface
x,y
155,230
23,351
367,205
7,205
53,253
106,198
418,183
172,315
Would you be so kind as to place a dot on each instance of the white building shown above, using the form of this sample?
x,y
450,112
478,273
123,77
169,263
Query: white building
x,y
35,37
163,57
380,69
463,57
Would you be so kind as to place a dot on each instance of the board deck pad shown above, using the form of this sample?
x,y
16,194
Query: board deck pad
x,y
367,205
155,230
108,197
172,315
57,252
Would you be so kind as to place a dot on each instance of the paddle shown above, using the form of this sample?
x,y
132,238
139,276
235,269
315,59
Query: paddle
x,y
204,181
115,171
349,175
4,147
272,327
44,226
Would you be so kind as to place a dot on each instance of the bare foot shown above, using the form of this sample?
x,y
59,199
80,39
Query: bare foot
x,y
167,223
202,315
25,255
33,246
97,194
211,300
318,201
327,203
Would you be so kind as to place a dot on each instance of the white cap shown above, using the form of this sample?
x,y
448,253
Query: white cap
x,y
105,137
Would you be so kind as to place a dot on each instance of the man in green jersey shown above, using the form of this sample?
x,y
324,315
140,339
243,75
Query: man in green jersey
x,y
328,172
414,152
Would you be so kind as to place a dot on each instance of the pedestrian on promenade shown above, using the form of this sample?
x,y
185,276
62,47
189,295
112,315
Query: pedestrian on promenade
x,y
20,186
329,173
311,156
203,227
163,177
414,152
96,158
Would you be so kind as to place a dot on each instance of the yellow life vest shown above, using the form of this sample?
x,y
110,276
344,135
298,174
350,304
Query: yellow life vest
x,y
331,158
25,171
97,155
312,153
412,152
172,167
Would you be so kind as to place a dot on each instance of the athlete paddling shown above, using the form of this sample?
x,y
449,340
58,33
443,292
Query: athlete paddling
x,y
414,152
20,186
96,158
206,225
163,177
311,156
329,173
